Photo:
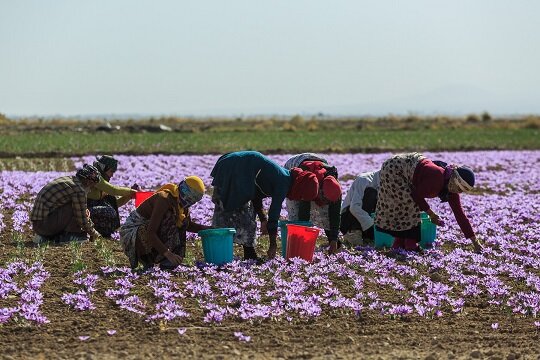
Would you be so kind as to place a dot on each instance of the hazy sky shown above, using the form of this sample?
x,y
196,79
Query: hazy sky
x,y
232,57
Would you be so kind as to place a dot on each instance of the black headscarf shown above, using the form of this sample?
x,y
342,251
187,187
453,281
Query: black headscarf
x,y
105,163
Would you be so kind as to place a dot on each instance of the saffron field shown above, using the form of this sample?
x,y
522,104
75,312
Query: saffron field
x,y
83,301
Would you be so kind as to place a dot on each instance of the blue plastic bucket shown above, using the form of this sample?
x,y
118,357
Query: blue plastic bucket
x,y
217,245
428,231
282,224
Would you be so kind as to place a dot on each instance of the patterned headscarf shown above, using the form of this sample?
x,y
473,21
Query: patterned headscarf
x,y
461,180
106,162
88,172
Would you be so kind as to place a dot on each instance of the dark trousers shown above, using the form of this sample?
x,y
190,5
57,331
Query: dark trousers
x,y
57,222
349,221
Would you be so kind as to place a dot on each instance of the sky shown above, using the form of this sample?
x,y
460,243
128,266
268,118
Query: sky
x,y
266,57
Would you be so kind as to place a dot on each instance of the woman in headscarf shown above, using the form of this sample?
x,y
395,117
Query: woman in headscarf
x,y
241,180
60,214
105,199
155,232
324,211
406,180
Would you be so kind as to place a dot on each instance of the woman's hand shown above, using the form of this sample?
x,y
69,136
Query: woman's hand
x,y
173,258
264,227
435,218
95,235
478,246
333,247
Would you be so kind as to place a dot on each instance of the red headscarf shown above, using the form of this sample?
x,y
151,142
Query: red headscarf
x,y
331,189
316,167
305,185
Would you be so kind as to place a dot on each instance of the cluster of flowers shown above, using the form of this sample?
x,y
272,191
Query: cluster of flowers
x,y
121,293
80,300
29,295
504,211
498,172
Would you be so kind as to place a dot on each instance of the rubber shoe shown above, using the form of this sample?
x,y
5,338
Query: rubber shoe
x,y
70,237
39,239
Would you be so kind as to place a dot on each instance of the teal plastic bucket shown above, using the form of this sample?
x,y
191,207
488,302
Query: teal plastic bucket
x,y
381,239
428,231
217,245
282,224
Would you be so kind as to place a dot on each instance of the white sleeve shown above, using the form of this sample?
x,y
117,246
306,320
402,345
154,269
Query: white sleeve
x,y
360,214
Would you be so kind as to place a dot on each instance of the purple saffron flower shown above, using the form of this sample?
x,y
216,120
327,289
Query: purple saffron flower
x,y
241,337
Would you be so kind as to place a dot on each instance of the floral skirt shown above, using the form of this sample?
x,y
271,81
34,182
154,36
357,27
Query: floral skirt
x,y
241,219
134,238
104,215
318,215
396,209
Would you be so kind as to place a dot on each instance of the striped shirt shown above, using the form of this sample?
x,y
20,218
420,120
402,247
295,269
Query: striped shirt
x,y
59,192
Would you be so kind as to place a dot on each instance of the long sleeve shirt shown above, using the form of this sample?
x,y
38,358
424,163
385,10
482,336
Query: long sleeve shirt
x,y
245,176
59,192
428,181
355,196
103,187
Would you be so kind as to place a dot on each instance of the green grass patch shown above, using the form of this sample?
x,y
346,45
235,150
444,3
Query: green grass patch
x,y
272,141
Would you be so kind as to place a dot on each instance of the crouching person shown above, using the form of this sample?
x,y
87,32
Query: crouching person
x,y
60,214
105,199
357,225
155,232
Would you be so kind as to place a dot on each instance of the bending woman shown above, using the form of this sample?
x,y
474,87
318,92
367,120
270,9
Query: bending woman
x,y
155,232
241,180
324,211
406,180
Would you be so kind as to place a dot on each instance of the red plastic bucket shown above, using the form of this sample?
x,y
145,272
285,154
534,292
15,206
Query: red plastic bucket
x,y
301,241
140,196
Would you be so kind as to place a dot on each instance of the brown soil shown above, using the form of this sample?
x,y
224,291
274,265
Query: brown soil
x,y
332,335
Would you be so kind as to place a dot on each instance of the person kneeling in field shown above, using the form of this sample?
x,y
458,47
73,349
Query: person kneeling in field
x,y
357,225
241,180
324,211
104,199
155,232
406,180
59,213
